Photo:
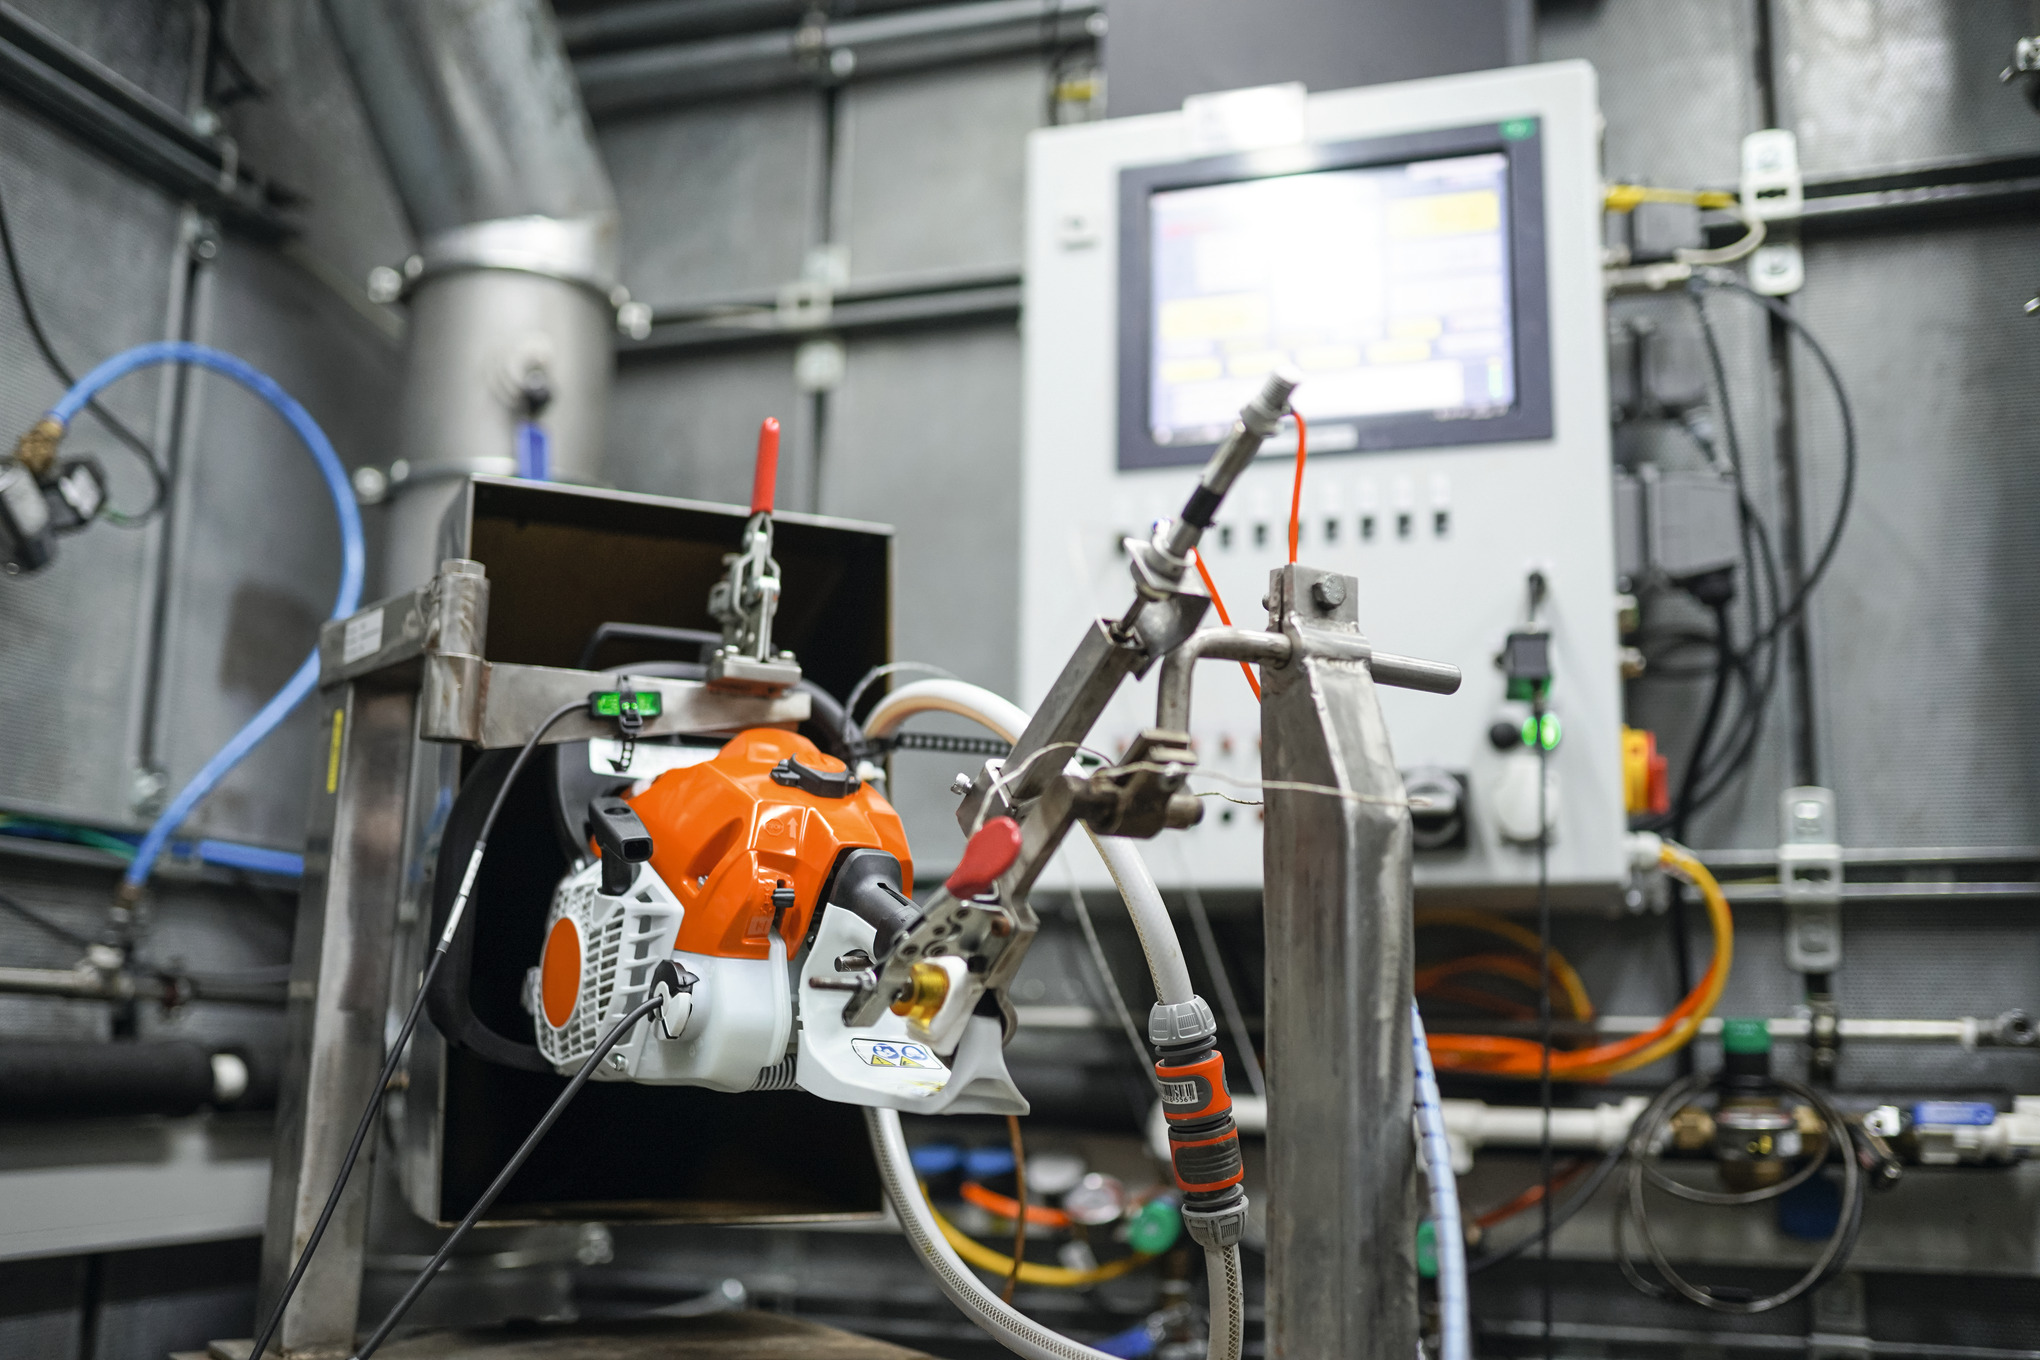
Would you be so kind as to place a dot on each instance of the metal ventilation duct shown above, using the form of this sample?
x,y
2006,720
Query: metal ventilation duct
x,y
513,293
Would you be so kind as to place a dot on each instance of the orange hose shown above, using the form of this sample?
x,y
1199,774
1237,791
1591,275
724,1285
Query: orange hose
x,y
1296,494
1211,589
1498,1055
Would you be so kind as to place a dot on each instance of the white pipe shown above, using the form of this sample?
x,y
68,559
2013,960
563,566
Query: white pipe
x,y
1470,1124
1007,720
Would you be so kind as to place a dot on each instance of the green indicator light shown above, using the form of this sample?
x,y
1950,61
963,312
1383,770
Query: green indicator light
x,y
1550,733
1529,731
614,704
1516,129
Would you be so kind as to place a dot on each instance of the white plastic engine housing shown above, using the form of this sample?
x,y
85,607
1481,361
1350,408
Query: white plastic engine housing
x,y
742,1018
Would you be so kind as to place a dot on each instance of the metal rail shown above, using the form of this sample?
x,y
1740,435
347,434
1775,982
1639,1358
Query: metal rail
x,y
823,54
86,99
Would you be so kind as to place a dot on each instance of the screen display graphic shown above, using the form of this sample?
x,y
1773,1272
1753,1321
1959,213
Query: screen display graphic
x,y
1387,288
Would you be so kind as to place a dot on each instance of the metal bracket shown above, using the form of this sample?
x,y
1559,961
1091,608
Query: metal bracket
x,y
1810,879
434,637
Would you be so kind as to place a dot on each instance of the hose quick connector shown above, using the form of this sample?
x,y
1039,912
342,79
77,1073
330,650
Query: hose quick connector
x,y
1204,1146
37,449
1181,1027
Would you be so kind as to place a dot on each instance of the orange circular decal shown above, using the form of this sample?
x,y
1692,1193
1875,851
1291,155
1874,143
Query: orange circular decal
x,y
560,975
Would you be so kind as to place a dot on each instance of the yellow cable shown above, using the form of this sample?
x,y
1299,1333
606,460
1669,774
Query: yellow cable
x,y
1626,197
1561,971
1681,863
1059,1277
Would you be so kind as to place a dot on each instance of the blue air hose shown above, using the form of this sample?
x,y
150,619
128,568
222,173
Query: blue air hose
x,y
352,559
1453,1321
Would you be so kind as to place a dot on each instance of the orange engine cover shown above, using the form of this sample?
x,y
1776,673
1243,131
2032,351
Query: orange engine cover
x,y
725,835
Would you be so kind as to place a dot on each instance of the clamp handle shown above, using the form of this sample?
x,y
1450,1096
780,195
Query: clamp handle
x,y
986,856
766,479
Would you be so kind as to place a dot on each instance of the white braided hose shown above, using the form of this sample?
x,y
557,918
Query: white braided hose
x,y
1006,720
1011,1328
1164,953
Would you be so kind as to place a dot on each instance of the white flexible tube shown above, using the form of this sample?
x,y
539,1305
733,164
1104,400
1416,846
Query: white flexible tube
x,y
1006,720
1013,1329
1164,952
1453,1323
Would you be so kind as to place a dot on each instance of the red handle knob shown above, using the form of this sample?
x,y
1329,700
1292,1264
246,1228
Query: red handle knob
x,y
990,853
767,475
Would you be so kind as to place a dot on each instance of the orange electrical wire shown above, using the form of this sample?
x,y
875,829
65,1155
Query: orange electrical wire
x,y
1211,589
992,1202
1296,494
1509,966
1562,971
1532,1197
1499,1055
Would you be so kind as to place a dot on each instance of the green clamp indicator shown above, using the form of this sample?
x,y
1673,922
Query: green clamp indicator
x,y
1745,1034
612,703
1155,1228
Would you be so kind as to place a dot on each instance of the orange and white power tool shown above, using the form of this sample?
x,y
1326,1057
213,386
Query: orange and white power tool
x,y
743,890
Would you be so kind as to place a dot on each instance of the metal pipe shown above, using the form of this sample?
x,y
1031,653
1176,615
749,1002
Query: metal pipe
x,y
829,53
674,21
91,984
513,293
1172,707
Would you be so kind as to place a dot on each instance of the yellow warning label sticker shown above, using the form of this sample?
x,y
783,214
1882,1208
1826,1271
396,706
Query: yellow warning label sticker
x,y
896,1053
333,755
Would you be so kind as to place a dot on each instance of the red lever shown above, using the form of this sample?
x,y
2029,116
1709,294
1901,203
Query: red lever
x,y
767,476
990,853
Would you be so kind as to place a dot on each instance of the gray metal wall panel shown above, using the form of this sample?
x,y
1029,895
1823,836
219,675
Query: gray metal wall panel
x,y
312,136
925,435
148,41
1157,52
1677,82
1871,84
931,168
97,251
718,199
689,427
1928,670
258,558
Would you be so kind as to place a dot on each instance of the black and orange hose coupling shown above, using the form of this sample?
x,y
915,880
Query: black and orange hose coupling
x,y
1204,1142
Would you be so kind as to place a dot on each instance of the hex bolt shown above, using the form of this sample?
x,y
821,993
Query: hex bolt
x,y
1328,591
